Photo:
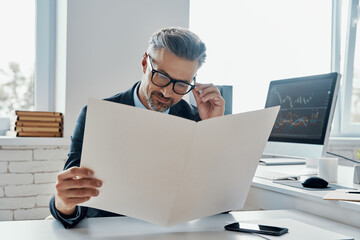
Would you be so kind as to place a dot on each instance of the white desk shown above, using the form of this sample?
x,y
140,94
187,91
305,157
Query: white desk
x,y
264,194
129,228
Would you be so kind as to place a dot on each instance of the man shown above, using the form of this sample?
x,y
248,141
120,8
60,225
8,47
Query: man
x,y
169,72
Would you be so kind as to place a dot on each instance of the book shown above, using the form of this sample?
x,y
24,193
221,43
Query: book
x,y
37,124
40,119
38,113
38,129
38,134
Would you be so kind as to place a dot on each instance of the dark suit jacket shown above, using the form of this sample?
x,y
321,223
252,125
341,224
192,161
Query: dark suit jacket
x,y
181,109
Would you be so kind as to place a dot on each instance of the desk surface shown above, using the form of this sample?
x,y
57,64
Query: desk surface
x,y
129,228
285,197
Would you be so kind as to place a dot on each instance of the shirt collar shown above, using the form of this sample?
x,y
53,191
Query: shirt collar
x,y
138,103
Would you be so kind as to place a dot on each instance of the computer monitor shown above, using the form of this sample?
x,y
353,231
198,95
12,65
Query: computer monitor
x,y
303,124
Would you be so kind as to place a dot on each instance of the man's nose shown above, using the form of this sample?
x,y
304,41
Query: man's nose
x,y
167,91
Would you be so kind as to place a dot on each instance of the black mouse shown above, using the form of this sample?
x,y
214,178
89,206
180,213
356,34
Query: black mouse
x,y
315,182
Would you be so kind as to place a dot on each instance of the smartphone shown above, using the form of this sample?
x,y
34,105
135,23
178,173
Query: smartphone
x,y
255,228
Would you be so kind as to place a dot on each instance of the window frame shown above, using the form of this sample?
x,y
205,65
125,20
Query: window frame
x,y
45,45
335,59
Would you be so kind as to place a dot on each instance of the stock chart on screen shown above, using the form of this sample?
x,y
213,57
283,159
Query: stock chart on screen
x,y
305,107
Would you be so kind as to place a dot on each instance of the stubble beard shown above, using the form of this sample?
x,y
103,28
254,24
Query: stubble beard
x,y
155,105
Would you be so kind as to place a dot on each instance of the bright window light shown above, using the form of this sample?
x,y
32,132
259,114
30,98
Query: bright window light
x,y
17,55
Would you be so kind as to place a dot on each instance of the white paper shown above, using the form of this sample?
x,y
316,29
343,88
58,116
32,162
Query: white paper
x,y
167,170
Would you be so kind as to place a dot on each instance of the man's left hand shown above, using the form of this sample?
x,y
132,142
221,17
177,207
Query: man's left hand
x,y
209,101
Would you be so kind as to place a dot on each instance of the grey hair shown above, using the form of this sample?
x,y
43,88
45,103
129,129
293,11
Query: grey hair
x,y
180,42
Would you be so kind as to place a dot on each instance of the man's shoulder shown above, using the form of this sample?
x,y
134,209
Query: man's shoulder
x,y
123,97
115,98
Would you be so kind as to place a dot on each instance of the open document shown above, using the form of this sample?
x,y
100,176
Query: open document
x,y
168,170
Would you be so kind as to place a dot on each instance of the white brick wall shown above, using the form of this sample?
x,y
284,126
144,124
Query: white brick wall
x,y
45,177
3,167
36,166
15,203
42,200
29,190
12,179
6,215
29,214
50,154
27,180
15,155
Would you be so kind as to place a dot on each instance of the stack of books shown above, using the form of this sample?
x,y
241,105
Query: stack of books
x,y
39,124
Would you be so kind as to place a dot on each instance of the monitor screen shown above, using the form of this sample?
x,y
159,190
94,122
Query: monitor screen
x,y
306,104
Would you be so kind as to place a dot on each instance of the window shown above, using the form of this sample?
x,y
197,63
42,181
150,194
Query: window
x,y
27,58
17,58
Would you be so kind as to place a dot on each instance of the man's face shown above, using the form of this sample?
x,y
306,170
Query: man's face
x,y
162,98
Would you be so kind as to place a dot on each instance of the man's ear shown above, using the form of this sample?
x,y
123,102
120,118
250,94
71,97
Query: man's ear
x,y
144,62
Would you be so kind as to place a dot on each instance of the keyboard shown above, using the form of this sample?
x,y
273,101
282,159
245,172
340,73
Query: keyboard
x,y
272,175
289,175
281,161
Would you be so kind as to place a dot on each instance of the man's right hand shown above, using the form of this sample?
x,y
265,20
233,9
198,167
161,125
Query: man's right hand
x,y
74,186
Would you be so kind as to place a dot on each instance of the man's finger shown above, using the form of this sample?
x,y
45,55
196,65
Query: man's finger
x,y
201,86
208,90
212,96
78,183
75,172
197,97
79,192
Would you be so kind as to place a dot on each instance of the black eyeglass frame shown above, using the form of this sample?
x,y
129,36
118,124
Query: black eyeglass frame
x,y
153,71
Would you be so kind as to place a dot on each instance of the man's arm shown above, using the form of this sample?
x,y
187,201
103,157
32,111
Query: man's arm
x,y
68,221
74,185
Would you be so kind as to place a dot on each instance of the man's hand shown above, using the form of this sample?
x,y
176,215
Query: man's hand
x,y
209,101
75,185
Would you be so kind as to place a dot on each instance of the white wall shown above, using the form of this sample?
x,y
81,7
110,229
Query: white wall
x,y
104,42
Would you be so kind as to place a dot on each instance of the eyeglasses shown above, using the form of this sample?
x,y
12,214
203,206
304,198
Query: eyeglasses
x,y
162,80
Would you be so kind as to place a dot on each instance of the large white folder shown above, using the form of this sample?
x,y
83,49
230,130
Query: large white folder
x,y
167,170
